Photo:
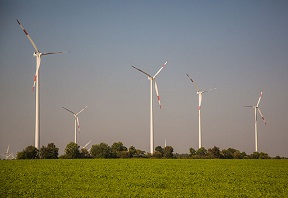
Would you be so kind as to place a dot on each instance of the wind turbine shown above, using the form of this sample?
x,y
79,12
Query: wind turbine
x,y
152,79
38,55
76,121
7,154
199,92
256,107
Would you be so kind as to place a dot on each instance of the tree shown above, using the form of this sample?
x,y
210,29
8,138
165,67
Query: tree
x,y
118,147
159,149
101,150
49,152
192,151
84,153
168,152
201,152
264,156
132,151
72,151
123,154
214,152
157,154
229,153
30,152
139,153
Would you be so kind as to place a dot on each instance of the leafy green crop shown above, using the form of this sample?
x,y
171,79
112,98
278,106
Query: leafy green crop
x,y
143,178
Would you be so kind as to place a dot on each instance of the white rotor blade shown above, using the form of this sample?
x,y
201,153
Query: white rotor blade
x,y
30,39
195,85
160,69
78,124
208,90
86,144
38,61
48,53
81,110
142,71
8,148
200,101
69,110
262,116
259,99
157,93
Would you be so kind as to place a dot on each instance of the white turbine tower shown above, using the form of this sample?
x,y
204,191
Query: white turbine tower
x,y
256,107
76,122
152,78
38,55
199,92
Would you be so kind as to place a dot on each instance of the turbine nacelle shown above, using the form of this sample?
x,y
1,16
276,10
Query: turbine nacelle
x,y
37,54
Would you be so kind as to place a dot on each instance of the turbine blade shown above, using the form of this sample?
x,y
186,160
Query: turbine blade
x,y
30,39
38,62
142,71
81,110
86,144
208,90
195,85
78,124
157,93
48,53
200,101
262,116
8,148
160,69
248,106
69,110
259,98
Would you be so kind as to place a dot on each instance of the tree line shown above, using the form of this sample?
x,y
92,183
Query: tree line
x,y
118,150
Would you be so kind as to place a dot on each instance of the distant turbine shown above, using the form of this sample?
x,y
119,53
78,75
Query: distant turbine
x,y
76,121
255,111
8,154
152,78
199,92
38,55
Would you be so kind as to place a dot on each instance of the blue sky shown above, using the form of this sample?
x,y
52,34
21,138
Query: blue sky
x,y
240,47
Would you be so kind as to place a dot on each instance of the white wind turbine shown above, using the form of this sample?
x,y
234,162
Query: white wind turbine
x,y
199,92
76,121
255,111
38,55
152,78
7,154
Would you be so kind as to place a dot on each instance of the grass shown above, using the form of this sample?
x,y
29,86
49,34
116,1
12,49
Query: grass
x,y
144,178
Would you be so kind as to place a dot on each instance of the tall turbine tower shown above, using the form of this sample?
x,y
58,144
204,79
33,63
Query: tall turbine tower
x,y
76,122
38,55
199,92
152,79
256,107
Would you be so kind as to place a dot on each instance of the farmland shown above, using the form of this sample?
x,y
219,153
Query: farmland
x,y
143,178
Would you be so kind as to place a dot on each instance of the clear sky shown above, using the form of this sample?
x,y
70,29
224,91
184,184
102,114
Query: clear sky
x,y
240,47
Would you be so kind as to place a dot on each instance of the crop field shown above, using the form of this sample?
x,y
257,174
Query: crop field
x,y
143,178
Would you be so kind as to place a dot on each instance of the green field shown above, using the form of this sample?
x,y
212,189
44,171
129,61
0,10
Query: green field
x,y
144,178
